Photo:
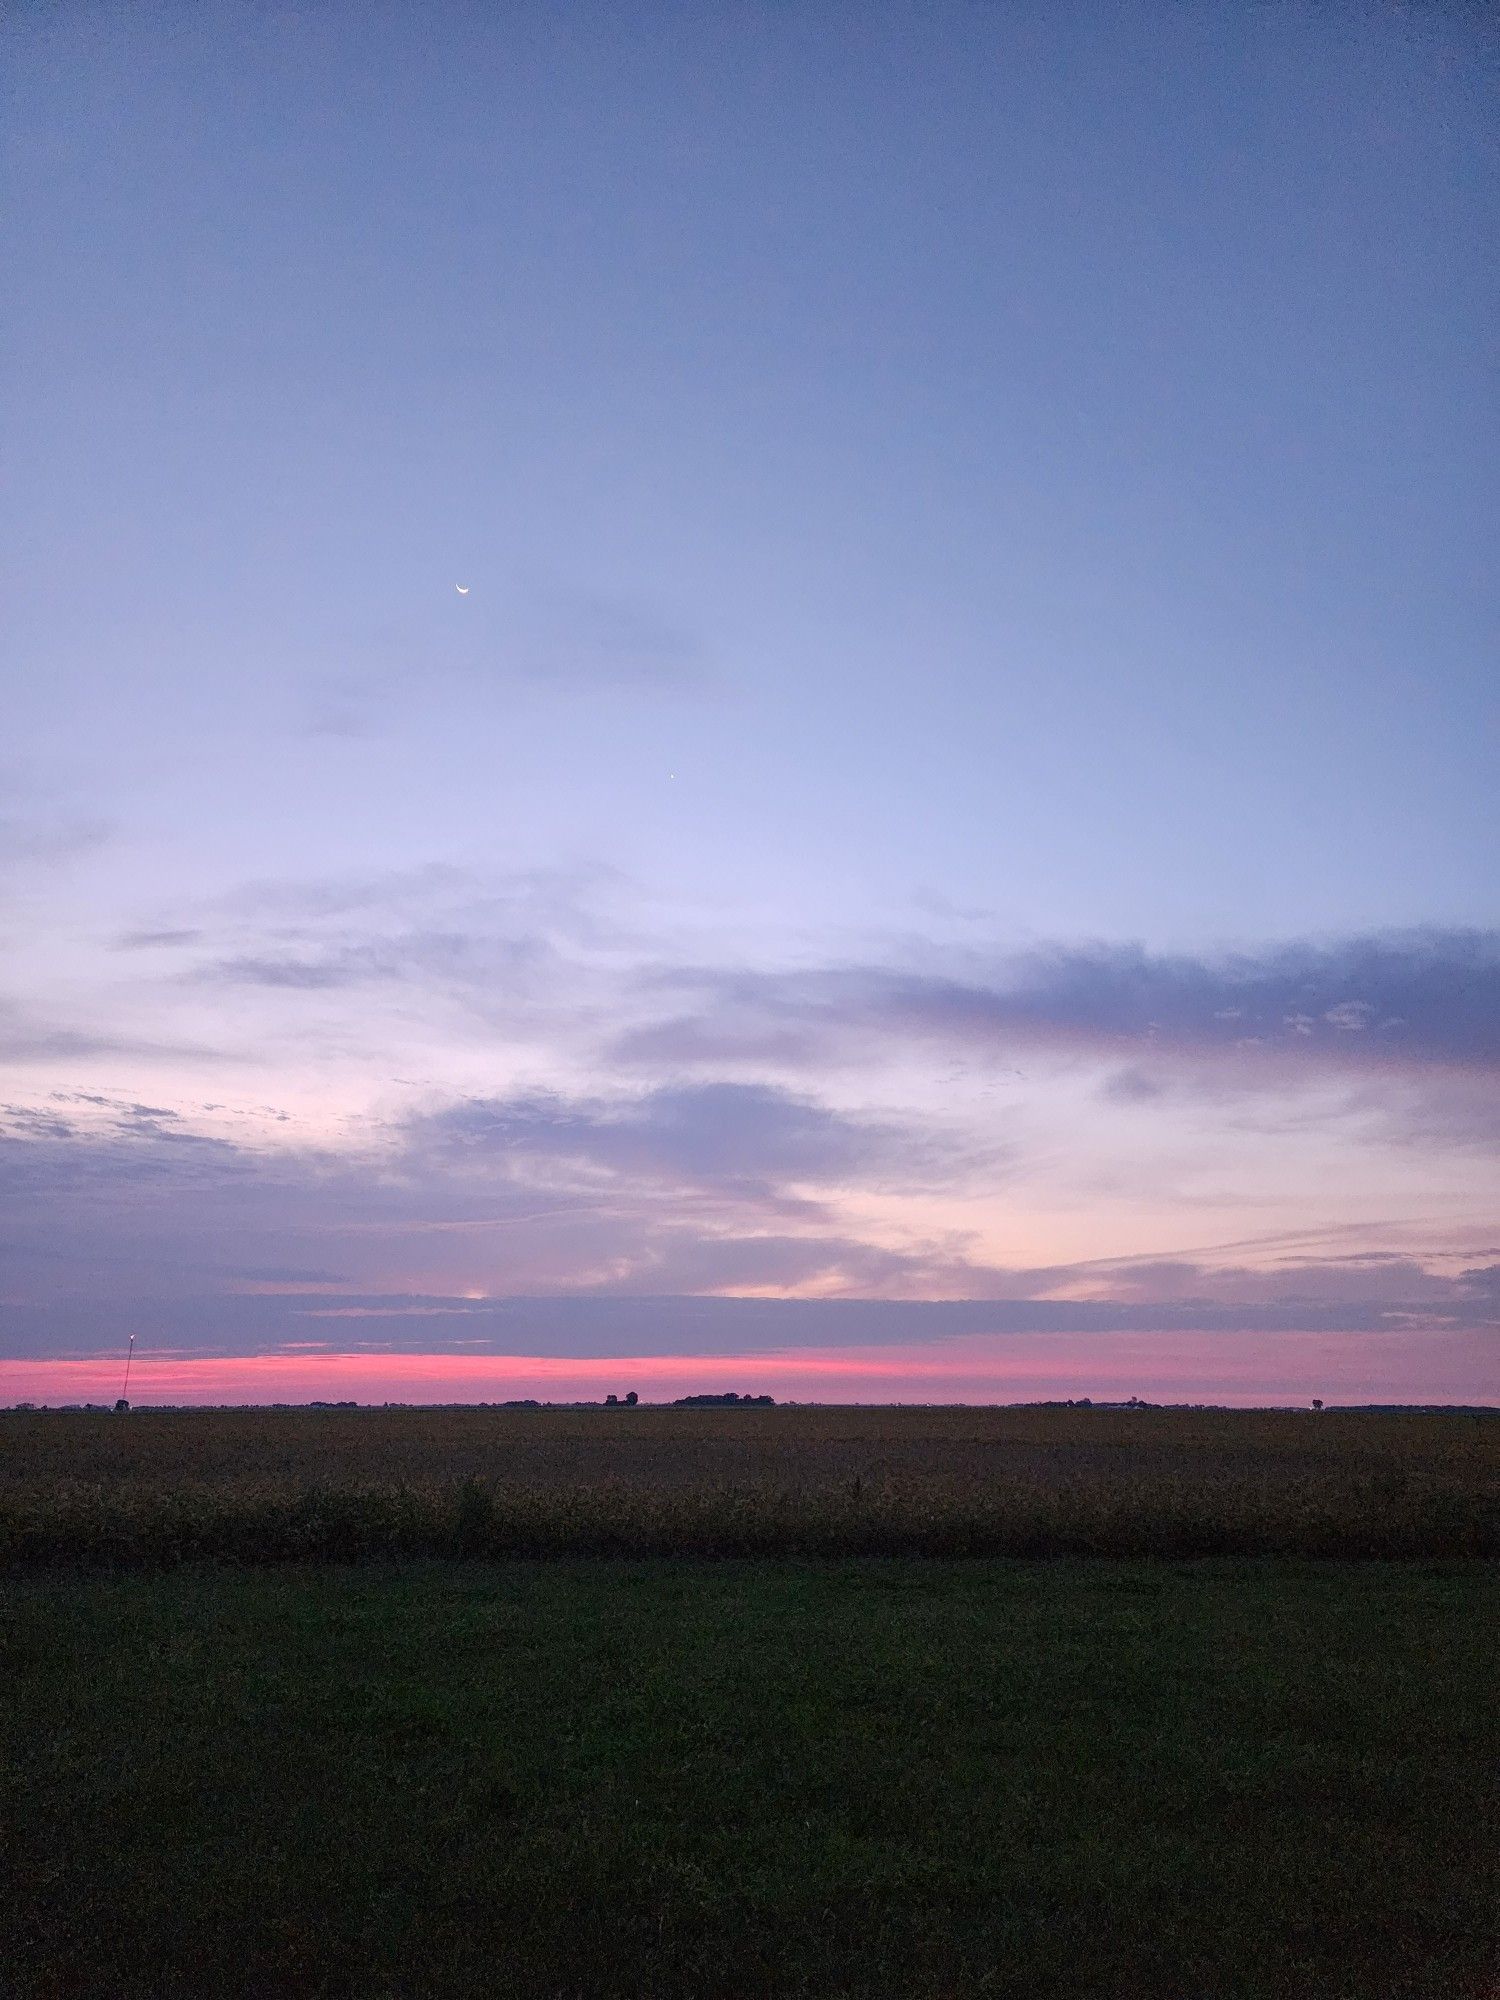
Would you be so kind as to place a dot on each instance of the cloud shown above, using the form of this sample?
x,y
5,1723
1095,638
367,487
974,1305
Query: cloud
x,y
48,842
126,1118
393,892
1444,1109
694,1188
457,961
749,1137
1418,997
119,1210
549,948
448,929
155,940
28,1039
1291,1286
303,975
622,1324
1132,1086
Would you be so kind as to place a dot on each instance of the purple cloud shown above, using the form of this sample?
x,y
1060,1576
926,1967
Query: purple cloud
x,y
1419,997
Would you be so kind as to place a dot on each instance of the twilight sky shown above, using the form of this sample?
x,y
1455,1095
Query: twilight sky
x,y
949,849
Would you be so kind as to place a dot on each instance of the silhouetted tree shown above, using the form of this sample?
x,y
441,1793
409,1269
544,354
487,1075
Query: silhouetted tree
x,y
631,1398
731,1399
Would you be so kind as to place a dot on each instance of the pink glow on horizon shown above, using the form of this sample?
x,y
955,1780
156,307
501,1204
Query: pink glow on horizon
x,y
1403,1365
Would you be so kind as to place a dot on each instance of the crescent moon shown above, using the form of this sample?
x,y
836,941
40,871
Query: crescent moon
x,y
462,589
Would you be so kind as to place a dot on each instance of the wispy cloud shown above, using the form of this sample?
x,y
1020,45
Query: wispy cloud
x,y
156,940
28,1039
48,841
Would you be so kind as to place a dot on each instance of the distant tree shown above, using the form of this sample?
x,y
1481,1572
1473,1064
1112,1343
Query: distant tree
x,y
611,1402
1317,1402
730,1399
631,1398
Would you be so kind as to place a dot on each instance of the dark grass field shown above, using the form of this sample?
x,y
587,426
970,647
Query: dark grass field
x,y
880,1777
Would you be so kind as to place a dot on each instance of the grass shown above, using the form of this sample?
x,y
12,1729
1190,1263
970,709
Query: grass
x,y
1225,1780
256,1486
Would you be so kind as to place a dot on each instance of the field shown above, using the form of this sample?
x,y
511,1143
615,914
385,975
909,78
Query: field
x,y
256,1485
878,1778
700,1703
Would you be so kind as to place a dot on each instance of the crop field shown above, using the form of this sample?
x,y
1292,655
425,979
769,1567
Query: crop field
x,y
275,1485
582,1704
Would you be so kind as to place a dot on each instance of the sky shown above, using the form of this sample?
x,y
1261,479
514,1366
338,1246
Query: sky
x,y
798,698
